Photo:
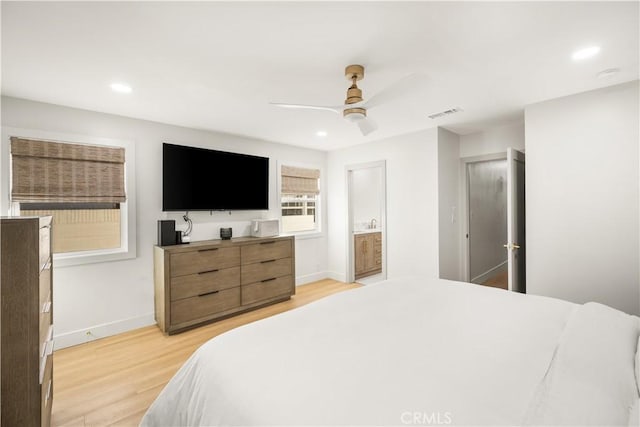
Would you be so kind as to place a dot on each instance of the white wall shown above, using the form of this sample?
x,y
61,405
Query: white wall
x,y
366,199
448,207
412,211
582,197
111,297
491,141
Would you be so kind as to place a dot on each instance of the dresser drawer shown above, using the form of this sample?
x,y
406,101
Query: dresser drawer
x,y
193,308
45,330
270,288
45,245
46,392
201,283
46,352
264,251
45,286
202,260
266,270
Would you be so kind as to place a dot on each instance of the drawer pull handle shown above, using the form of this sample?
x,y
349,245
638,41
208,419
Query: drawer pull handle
x,y
208,271
268,280
208,250
269,260
267,243
208,293
46,307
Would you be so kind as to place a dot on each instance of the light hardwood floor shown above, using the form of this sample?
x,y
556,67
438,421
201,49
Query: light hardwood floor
x,y
112,381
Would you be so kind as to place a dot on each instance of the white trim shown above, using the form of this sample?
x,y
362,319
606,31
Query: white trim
x,y
104,330
348,169
309,278
128,247
340,277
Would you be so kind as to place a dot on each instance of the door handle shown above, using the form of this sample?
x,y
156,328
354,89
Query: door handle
x,y
511,246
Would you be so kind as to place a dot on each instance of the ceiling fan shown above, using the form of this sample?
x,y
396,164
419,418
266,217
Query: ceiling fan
x,y
355,108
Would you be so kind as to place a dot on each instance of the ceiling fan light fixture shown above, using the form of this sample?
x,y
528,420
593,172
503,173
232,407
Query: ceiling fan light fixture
x,y
355,114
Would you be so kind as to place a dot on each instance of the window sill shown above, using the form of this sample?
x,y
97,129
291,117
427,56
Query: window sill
x,y
91,257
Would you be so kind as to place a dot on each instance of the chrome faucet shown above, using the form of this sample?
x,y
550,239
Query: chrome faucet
x,y
372,224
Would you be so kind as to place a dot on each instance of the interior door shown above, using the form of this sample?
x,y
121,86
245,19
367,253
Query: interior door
x,y
516,238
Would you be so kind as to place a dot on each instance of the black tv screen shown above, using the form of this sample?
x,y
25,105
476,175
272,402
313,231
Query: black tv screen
x,y
201,179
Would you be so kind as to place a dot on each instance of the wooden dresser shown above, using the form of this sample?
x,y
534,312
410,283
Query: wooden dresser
x,y
26,321
368,254
208,280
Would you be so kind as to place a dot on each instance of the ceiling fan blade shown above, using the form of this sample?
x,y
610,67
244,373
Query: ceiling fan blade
x,y
367,126
399,89
337,110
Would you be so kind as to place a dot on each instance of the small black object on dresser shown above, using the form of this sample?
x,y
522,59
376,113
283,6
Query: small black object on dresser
x,y
225,233
166,232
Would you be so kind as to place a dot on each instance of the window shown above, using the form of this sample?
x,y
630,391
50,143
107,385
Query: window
x,y
83,187
300,197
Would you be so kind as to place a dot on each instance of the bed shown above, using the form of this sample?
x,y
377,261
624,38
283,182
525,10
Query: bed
x,y
414,351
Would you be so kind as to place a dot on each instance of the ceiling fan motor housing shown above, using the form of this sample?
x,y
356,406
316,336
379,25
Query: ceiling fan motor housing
x,y
354,94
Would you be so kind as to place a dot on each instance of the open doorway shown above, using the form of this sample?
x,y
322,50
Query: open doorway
x,y
366,234
493,205
487,207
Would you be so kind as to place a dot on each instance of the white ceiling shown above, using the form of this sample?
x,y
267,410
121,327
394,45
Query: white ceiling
x,y
217,65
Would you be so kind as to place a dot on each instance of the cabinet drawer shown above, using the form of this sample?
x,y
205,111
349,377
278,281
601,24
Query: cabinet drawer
x,y
204,260
264,251
196,284
272,288
45,245
45,286
46,392
266,270
193,308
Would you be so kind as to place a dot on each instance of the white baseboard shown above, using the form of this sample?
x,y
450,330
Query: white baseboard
x,y
490,273
303,280
340,277
104,330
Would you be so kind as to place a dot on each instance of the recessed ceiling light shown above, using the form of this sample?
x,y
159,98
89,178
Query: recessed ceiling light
x,y
605,74
585,53
121,88
321,133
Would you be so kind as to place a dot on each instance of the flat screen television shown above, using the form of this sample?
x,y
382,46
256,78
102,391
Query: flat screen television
x,y
199,179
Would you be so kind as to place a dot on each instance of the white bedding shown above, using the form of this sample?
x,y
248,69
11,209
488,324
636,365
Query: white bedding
x,y
413,352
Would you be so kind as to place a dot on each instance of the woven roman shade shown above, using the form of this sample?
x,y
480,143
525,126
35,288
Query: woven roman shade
x,y
45,171
299,180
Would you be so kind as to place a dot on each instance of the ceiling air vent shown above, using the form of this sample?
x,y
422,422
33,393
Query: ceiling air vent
x,y
445,113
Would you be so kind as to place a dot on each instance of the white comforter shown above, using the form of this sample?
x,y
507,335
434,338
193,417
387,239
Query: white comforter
x,y
413,352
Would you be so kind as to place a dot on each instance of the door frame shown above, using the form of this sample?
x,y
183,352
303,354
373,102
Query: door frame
x,y
348,171
464,207
514,156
